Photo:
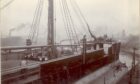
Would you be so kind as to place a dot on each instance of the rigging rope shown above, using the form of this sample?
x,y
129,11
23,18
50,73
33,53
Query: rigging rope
x,y
39,17
78,16
70,22
33,22
36,21
65,21
6,5
76,5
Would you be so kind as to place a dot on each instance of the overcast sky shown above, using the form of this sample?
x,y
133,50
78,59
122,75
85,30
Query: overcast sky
x,y
103,16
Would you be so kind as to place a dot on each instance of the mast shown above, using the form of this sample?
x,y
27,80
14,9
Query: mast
x,y
51,28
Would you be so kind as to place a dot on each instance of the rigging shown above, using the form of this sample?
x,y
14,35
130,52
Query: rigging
x,y
6,5
35,23
65,21
86,23
70,23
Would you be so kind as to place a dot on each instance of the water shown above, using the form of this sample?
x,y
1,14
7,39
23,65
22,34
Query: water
x,y
107,74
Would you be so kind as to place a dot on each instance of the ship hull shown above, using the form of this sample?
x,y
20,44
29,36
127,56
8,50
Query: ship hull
x,y
66,71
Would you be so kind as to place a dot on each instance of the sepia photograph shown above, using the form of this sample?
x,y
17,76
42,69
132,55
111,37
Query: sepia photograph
x,y
70,41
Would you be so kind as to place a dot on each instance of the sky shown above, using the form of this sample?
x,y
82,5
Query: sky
x,y
103,16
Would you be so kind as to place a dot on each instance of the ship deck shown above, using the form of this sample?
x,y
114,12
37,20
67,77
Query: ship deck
x,y
11,66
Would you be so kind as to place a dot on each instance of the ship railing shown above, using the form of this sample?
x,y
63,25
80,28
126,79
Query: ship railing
x,y
19,52
42,46
23,50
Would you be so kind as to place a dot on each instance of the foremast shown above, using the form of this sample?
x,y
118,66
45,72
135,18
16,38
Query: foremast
x,y
51,29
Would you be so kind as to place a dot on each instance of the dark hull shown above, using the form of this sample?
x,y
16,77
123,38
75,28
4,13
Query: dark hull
x,y
66,71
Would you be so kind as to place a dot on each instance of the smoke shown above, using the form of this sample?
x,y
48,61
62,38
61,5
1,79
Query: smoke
x,y
19,27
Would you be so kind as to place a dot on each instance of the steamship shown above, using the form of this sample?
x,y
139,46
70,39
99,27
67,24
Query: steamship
x,y
64,66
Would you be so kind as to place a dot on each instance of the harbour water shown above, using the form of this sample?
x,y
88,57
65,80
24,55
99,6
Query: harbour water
x,y
108,74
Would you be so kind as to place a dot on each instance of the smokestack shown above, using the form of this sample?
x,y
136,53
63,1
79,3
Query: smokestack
x,y
11,30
